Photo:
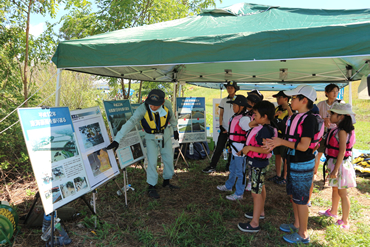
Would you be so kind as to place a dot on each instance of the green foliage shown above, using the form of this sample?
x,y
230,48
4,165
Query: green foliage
x,y
113,15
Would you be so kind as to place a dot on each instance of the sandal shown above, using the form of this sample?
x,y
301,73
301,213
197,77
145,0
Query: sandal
x,y
281,181
274,178
341,225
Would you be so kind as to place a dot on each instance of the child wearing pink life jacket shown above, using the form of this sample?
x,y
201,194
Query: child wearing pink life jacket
x,y
303,132
238,127
257,159
339,144
253,98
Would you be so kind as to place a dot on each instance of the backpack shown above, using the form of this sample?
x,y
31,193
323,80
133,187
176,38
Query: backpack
x,y
199,151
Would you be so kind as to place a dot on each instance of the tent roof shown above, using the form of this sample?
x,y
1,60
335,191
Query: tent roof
x,y
262,86
244,42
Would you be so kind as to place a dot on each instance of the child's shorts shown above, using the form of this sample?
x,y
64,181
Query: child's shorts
x,y
322,147
257,179
280,150
299,181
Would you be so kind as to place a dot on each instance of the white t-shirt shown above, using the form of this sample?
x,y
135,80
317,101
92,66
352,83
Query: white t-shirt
x,y
244,124
228,112
323,111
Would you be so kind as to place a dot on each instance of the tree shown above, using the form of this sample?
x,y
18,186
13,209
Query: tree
x,y
114,15
29,50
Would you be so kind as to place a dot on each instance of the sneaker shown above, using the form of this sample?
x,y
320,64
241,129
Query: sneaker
x,y
234,197
209,169
288,228
249,187
328,214
223,188
341,225
246,227
295,238
152,192
249,215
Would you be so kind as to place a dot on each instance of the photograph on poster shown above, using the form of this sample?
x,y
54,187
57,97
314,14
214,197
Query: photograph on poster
x,y
184,126
91,135
58,173
46,178
80,183
99,161
47,194
197,113
68,189
185,113
117,121
56,194
198,125
57,142
136,151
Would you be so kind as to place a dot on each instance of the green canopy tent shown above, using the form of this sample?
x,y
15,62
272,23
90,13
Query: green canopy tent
x,y
244,42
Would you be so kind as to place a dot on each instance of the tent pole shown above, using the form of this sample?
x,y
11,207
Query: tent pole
x,y
129,89
174,98
57,92
350,93
139,99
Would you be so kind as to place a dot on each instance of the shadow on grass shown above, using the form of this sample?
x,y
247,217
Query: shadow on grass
x,y
363,185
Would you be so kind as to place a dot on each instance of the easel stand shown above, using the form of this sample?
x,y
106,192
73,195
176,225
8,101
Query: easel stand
x,y
125,185
52,228
37,196
204,147
182,155
94,204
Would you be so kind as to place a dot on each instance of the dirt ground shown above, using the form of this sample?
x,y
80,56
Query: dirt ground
x,y
148,222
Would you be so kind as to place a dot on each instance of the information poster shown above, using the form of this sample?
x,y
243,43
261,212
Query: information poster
x,y
54,154
100,163
216,119
130,148
139,128
191,115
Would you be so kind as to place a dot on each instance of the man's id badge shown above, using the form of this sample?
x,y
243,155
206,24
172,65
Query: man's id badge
x,y
158,136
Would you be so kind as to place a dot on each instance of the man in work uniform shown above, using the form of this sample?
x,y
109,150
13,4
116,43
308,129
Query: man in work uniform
x,y
154,115
226,112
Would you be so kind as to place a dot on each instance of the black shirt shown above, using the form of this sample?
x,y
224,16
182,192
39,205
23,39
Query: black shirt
x,y
308,130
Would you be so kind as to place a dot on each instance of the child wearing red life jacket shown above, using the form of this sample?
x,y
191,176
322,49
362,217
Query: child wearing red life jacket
x,y
303,133
257,159
238,127
339,144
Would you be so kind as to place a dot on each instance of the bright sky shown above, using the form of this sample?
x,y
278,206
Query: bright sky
x,y
38,21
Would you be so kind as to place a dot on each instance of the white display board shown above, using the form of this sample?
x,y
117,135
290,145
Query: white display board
x,y
92,135
216,119
191,116
130,148
55,155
